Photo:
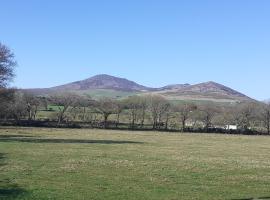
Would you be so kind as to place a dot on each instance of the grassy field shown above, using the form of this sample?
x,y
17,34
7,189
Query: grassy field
x,y
101,93
96,164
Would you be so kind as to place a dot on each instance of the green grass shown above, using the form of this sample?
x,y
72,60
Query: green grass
x,y
101,93
96,164
205,102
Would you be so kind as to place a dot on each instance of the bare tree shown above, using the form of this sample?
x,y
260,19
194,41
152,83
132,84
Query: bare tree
x,y
119,108
266,117
7,64
164,114
133,106
18,107
143,108
208,112
245,114
106,107
185,110
63,103
7,96
136,106
43,102
169,111
79,107
158,106
32,103
74,112
6,101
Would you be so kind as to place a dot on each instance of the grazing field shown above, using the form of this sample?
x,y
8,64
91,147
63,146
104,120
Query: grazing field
x,y
99,164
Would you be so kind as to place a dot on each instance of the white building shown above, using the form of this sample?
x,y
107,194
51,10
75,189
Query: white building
x,y
231,127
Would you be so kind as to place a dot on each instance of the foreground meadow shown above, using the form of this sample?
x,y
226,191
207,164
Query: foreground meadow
x,y
80,164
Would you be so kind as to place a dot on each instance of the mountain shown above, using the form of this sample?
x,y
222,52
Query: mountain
x,y
211,87
110,86
204,91
103,81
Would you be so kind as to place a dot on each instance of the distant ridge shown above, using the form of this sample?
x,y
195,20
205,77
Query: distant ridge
x,y
121,87
174,86
212,87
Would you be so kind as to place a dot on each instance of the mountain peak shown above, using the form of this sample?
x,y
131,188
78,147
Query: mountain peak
x,y
102,76
103,81
211,83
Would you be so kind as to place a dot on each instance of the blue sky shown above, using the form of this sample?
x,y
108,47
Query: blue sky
x,y
152,42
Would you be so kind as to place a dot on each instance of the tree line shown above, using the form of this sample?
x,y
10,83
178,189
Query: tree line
x,y
134,112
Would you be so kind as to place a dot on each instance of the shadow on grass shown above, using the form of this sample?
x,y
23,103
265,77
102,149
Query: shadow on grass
x,y
259,198
2,157
9,190
17,138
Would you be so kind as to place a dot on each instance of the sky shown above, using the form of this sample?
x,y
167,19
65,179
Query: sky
x,y
152,42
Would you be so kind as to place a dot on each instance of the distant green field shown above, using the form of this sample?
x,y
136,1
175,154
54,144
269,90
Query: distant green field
x,y
101,93
204,102
80,164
